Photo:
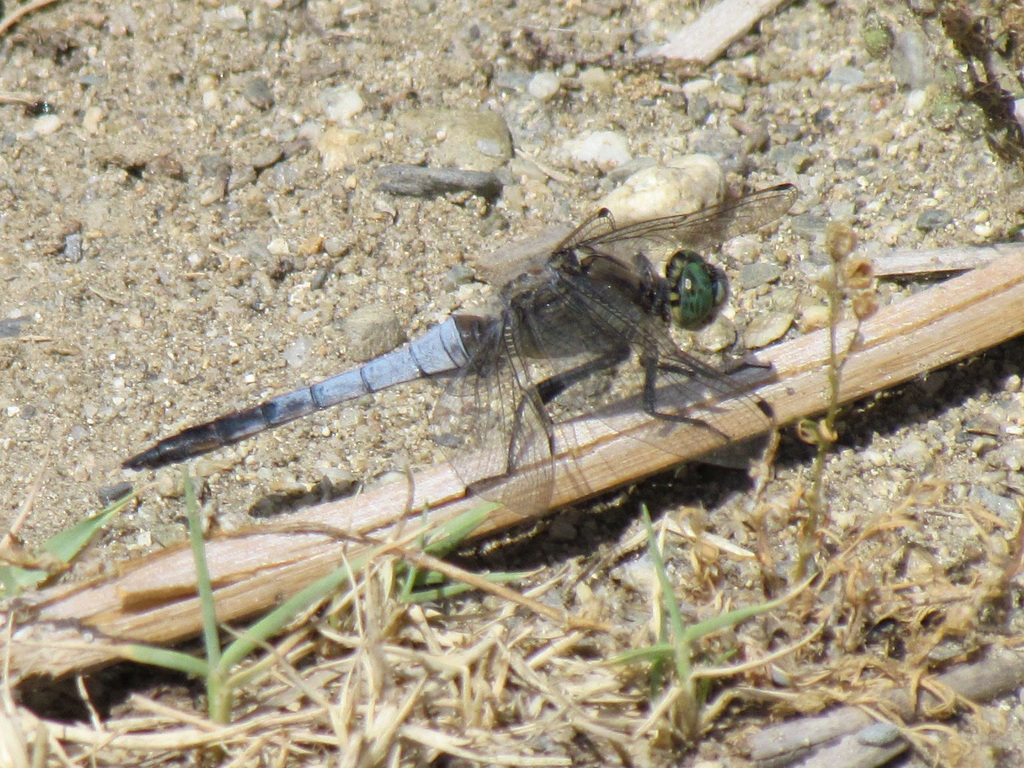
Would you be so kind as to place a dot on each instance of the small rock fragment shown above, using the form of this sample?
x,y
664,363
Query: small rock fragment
x,y
605,149
418,181
767,328
932,219
371,331
544,85
258,93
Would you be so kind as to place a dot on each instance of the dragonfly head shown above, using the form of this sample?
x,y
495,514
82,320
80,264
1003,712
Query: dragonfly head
x,y
695,289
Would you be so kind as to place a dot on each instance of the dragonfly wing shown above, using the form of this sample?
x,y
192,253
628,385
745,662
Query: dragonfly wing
x,y
697,231
491,424
660,380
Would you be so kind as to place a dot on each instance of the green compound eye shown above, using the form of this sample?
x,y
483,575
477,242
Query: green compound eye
x,y
695,289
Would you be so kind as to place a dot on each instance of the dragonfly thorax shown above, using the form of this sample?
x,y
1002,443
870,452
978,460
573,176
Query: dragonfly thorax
x,y
695,289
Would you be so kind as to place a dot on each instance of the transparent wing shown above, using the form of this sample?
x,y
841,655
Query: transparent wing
x,y
652,377
696,231
490,424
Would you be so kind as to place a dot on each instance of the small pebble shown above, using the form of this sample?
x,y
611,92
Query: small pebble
x,y
108,494
717,336
814,318
92,119
758,274
932,219
258,93
336,247
340,104
731,101
914,453
605,149
337,482
689,184
241,176
170,484
846,76
371,331
46,125
73,246
916,101
297,354
911,64
767,328
791,157
879,734
267,157
544,85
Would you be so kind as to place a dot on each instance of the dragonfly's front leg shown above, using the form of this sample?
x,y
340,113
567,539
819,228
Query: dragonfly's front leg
x,y
653,366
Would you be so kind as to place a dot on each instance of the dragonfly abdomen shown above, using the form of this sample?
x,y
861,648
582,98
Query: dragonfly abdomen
x,y
442,349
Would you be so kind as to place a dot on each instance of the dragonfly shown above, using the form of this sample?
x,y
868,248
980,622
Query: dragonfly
x,y
586,326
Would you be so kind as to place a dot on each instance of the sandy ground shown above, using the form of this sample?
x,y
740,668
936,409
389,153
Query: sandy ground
x,y
189,225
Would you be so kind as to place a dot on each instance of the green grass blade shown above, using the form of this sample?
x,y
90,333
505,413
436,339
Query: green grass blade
x,y
65,546
166,659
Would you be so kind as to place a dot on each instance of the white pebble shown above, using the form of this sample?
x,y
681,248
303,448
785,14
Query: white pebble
x,y
605,149
544,85
46,125
92,118
689,184
297,353
278,247
211,101
340,104
916,101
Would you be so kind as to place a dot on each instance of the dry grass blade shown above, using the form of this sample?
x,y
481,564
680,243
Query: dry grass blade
x,y
153,600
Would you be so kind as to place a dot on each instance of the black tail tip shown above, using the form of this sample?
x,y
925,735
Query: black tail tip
x,y
145,460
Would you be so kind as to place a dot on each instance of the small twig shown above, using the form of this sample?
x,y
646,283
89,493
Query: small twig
x,y
17,15
26,506
10,97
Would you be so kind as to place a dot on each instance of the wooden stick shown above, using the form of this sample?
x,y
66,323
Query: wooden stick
x,y
152,600
706,38
931,260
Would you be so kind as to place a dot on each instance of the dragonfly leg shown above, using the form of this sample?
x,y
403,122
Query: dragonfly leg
x,y
537,396
652,366
555,385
